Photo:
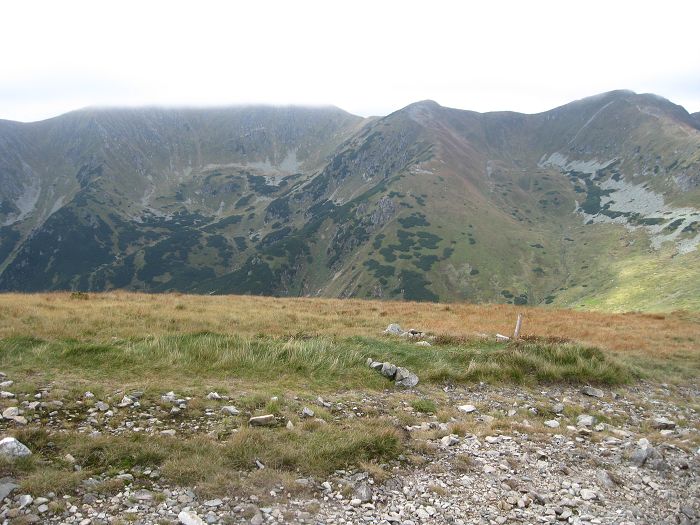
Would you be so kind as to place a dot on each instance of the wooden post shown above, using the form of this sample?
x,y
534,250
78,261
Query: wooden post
x,y
518,324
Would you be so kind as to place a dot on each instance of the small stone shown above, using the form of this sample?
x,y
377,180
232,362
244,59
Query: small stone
x,y
169,432
257,519
187,517
405,378
388,370
363,492
142,495
290,425
102,406
10,412
307,412
585,420
587,494
449,441
423,343
230,410
552,423
659,423
558,408
213,502
393,329
467,409
7,488
25,500
12,449
592,392
214,396
262,421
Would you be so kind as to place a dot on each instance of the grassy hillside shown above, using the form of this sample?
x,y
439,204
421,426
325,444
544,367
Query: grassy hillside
x,y
278,356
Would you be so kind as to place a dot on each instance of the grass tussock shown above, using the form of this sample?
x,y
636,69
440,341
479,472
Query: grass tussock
x,y
317,362
202,461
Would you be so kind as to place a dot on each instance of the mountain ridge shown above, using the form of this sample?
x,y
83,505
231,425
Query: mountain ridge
x,y
426,203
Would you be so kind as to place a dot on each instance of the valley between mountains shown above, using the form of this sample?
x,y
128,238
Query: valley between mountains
x,y
594,204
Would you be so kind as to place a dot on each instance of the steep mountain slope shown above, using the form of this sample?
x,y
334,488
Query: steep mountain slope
x,y
595,203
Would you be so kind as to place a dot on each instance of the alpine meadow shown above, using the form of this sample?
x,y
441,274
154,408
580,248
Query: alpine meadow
x,y
225,300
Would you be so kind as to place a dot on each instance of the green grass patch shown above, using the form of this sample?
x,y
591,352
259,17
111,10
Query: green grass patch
x,y
316,362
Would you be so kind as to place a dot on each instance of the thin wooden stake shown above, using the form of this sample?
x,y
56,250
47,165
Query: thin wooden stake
x,y
518,324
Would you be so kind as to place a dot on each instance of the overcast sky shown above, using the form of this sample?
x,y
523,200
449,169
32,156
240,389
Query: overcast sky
x,y
369,58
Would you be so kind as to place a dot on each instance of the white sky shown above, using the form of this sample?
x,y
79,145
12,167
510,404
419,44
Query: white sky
x,y
368,57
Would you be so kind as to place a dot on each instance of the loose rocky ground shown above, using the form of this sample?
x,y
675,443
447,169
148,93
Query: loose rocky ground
x,y
489,454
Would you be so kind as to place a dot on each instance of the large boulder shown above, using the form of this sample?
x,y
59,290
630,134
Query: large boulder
x,y
12,449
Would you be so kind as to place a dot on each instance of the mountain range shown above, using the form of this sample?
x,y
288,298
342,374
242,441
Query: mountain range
x,y
592,204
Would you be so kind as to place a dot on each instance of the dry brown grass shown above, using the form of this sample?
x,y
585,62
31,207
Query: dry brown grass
x,y
102,317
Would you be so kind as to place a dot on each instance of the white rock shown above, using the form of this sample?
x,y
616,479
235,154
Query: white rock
x,y
449,441
423,343
467,409
230,410
307,412
12,449
213,396
585,420
10,412
393,329
587,494
187,517
552,423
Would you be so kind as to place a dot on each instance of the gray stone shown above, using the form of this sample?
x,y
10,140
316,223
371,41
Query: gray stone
x,y
142,495
449,441
558,408
10,412
213,396
659,423
230,410
405,378
12,449
262,421
102,406
388,370
363,492
592,392
7,487
307,412
393,329
585,420
467,409
552,423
